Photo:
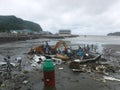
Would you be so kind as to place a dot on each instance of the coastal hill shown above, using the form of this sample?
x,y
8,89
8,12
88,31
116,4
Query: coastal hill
x,y
114,34
8,23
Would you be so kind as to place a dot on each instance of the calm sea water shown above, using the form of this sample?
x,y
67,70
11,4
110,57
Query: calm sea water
x,y
96,40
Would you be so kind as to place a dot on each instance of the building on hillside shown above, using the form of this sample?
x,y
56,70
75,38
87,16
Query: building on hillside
x,y
64,32
24,32
44,33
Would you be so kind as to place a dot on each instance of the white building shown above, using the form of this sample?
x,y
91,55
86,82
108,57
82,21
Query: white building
x,y
64,32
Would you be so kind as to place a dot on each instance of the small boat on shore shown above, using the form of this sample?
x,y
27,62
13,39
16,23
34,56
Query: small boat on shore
x,y
89,60
75,64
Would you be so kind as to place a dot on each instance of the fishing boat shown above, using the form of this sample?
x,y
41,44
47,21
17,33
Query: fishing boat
x,y
75,64
93,59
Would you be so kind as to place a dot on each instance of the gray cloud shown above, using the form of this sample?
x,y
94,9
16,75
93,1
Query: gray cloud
x,y
81,16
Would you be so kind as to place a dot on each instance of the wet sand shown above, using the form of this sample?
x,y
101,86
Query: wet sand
x,y
65,78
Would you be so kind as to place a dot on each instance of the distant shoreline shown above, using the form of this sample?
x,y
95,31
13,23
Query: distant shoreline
x,y
14,38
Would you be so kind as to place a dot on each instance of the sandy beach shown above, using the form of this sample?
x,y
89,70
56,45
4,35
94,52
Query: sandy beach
x,y
66,79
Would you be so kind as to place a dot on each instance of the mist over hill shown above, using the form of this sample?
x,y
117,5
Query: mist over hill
x,y
8,23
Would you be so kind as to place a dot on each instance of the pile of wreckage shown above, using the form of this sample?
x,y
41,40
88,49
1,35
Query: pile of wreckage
x,y
91,63
93,67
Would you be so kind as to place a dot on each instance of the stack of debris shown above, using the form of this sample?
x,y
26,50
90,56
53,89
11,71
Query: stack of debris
x,y
93,67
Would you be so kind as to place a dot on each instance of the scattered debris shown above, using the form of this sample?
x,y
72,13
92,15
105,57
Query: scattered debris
x,y
57,61
111,78
60,68
2,85
39,58
62,57
5,63
97,67
25,82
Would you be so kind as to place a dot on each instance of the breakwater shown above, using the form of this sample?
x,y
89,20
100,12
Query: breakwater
x,y
5,38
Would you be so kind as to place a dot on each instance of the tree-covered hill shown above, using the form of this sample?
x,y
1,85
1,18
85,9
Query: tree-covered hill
x,y
8,23
114,34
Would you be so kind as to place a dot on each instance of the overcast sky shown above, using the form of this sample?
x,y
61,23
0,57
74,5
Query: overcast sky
x,y
96,17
